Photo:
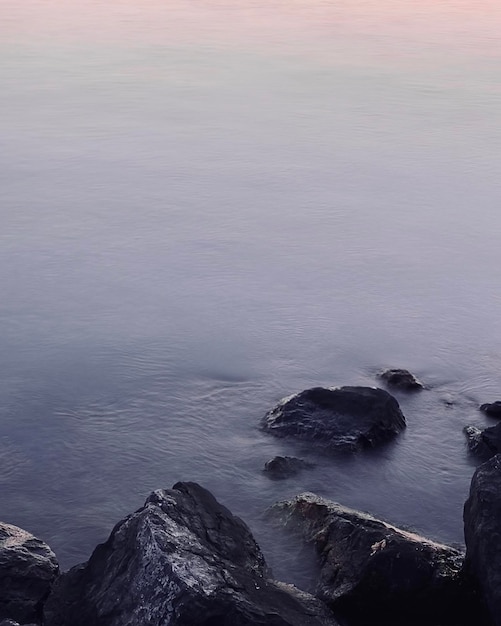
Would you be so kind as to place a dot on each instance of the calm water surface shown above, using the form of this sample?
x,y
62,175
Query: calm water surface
x,y
206,206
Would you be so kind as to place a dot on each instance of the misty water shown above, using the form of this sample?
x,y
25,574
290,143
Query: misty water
x,y
207,206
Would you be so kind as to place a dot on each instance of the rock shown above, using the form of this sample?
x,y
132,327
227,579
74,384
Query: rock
x,y
484,443
281,467
28,567
482,531
181,560
493,409
474,440
373,571
401,379
346,418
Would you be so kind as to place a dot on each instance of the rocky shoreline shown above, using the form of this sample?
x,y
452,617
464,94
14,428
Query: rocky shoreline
x,y
184,559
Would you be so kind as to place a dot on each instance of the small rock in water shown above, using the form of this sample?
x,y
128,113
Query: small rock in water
x,y
484,443
338,418
284,466
474,439
492,408
401,379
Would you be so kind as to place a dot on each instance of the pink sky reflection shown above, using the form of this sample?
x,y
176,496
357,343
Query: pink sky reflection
x,y
383,27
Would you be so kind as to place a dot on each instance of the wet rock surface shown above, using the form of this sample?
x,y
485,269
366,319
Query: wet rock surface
x,y
484,443
181,560
281,467
401,379
493,408
482,529
28,567
342,418
375,573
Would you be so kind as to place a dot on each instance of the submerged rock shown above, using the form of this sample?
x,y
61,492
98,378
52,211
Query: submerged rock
x,y
493,408
482,531
28,567
281,467
373,571
181,560
484,443
346,418
401,379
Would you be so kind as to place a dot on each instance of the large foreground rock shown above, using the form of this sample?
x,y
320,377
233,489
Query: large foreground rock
x,y
181,560
374,572
28,568
482,530
347,418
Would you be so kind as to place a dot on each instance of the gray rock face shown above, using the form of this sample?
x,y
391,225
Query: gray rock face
x,y
374,572
482,530
401,379
181,560
281,467
28,567
345,418
484,443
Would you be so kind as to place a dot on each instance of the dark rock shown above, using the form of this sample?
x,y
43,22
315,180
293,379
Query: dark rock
x,y
493,408
340,418
482,531
181,560
474,440
28,567
374,572
484,443
285,466
401,379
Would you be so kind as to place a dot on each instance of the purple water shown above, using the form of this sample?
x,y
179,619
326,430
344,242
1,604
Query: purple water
x,y
207,206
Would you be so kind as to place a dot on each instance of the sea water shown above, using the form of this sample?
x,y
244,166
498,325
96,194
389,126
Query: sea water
x,y
209,205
